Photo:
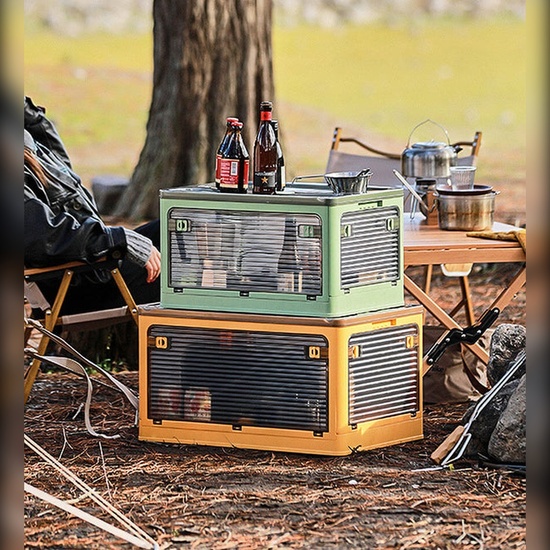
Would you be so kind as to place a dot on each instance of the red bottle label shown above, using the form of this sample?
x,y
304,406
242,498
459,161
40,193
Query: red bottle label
x,y
246,170
217,176
230,173
266,115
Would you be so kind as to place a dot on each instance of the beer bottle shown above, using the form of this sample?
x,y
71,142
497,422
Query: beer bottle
x,y
288,268
222,146
265,153
281,175
234,162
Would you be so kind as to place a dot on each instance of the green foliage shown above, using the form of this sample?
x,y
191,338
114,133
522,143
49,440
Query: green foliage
x,y
466,74
97,89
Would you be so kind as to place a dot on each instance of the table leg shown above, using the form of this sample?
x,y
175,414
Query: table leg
x,y
428,278
466,302
441,315
505,297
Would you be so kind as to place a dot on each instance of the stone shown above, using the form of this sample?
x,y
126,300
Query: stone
x,y
107,190
506,341
508,441
484,425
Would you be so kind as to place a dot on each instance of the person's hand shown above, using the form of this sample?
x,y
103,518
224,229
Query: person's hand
x,y
153,265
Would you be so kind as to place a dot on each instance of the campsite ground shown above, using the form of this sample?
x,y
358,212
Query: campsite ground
x,y
188,496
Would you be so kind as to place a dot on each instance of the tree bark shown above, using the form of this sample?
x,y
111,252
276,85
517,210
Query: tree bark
x,y
212,59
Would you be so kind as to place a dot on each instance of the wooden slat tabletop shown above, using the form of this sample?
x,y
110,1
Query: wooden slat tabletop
x,y
427,244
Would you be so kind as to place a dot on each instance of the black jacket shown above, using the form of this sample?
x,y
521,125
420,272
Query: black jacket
x,y
62,222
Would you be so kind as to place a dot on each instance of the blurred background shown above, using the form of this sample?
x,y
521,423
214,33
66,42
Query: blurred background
x,y
376,68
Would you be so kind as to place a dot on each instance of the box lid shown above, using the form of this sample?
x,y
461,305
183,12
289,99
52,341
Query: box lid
x,y
294,193
156,310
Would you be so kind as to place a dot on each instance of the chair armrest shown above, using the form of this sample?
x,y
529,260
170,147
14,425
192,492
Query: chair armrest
x,y
371,149
38,273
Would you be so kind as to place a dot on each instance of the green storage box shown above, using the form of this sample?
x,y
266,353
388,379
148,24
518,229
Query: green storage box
x,y
303,252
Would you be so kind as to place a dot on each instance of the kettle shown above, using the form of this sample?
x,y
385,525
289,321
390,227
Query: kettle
x,y
429,159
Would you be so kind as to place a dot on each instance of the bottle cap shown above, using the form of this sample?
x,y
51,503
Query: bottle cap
x,y
266,106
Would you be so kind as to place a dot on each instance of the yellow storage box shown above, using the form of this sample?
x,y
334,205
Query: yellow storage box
x,y
297,384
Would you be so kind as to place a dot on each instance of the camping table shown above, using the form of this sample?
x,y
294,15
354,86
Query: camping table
x,y
426,245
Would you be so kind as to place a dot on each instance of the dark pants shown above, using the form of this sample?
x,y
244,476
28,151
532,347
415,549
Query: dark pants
x,y
87,294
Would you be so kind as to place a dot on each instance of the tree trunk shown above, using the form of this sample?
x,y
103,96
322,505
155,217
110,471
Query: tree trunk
x,y
212,59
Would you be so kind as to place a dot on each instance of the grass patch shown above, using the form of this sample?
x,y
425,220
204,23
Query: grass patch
x,y
465,74
379,80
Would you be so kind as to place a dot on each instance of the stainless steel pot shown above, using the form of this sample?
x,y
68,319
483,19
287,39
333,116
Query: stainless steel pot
x,y
428,159
344,183
466,212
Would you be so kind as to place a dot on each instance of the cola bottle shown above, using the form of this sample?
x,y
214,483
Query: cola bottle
x,y
222,146
280,180
234,163
265,153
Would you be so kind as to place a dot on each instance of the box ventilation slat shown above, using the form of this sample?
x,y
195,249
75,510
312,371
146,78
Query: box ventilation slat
x,y
369,247
245,251
384,378
238,378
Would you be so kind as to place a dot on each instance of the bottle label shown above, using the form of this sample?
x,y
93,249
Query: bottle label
x,y
246,171
266,115
265,182
197,404
230,173
281,178
217,176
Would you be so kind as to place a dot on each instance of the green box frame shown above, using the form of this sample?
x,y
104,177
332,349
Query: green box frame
x,y
333,302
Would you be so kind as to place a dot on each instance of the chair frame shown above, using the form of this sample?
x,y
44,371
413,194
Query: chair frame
x,y
337,138
79,321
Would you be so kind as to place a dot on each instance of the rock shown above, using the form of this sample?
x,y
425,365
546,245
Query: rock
x,y
488,418
508,440
506,341
107,190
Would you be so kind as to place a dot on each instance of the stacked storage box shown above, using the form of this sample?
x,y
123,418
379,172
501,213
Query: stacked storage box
x,y
282,323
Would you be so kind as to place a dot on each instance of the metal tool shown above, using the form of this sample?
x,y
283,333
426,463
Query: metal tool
x,y
468,335
409,187
461,436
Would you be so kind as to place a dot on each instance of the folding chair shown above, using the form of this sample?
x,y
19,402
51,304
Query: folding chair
x,y
382,163
80,321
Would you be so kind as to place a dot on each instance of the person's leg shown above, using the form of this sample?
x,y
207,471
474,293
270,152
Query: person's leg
x,y
83,295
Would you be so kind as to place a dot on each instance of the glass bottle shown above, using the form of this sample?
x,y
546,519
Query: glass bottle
x,y
222,146
265,153
289,272
281,175
234,162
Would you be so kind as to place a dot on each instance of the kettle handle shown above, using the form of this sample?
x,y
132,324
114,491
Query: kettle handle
x,y
424,122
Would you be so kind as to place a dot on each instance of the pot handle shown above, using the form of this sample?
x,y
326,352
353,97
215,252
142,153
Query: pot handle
x,y
410,188
424,122
296,178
